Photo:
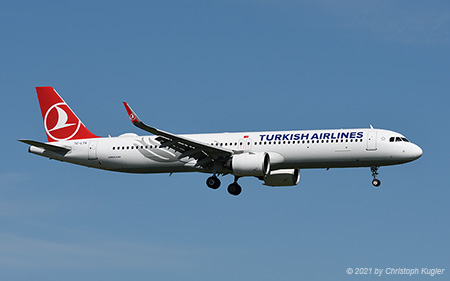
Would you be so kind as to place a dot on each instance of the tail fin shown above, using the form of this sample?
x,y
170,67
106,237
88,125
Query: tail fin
x,y
60,122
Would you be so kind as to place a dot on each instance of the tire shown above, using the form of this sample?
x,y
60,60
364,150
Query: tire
x,y
234,189
213,182
376,182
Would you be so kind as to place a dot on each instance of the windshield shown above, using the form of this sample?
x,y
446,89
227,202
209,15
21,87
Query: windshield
x,y
398,139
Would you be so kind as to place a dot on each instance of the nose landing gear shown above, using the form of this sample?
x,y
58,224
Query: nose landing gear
x,y
376,182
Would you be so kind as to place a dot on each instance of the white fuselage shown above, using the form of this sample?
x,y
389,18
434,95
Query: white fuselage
x,y
287,150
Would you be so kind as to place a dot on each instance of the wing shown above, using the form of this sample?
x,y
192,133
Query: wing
x,y
204,153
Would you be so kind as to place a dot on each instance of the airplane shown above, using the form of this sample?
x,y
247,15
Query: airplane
x,y
274,157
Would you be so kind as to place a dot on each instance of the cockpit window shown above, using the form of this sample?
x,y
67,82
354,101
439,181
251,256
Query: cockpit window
x,y
398,139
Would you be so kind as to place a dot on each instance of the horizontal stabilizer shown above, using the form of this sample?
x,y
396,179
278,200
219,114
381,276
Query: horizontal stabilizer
x,y
46,146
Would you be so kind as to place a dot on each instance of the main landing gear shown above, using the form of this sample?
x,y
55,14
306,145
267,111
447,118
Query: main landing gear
x,y
213,182
234,188
376,182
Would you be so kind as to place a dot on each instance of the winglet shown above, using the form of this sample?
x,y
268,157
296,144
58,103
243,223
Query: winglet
x,y
137,122
133,117
174,141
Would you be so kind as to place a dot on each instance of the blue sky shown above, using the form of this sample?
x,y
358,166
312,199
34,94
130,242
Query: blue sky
x,y
215,66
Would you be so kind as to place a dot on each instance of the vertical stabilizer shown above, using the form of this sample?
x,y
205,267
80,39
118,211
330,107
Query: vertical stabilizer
x,y
60,122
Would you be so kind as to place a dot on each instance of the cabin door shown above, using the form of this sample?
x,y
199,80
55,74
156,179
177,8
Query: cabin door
x,y
92,152
372,140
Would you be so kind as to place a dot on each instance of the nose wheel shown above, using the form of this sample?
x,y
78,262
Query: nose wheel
x,y
375,182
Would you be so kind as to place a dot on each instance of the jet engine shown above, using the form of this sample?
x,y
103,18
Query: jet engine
x,y
282,177
251,164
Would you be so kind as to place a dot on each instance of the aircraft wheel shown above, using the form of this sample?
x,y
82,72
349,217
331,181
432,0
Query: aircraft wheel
x,y
213,182
376,182
234,189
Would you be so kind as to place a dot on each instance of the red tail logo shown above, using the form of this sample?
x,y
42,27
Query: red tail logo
x,y
59,120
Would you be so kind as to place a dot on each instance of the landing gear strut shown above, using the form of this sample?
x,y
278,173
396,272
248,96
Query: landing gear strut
x,y
213,182
376,182
234,188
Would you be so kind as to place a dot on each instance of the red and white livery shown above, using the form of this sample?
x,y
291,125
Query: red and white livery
x,y
274,157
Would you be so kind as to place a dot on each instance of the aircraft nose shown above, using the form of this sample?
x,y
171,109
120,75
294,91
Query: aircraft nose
x,y
416,152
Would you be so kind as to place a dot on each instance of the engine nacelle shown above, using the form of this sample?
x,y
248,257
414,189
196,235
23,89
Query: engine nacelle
x,y
282,177
251,164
